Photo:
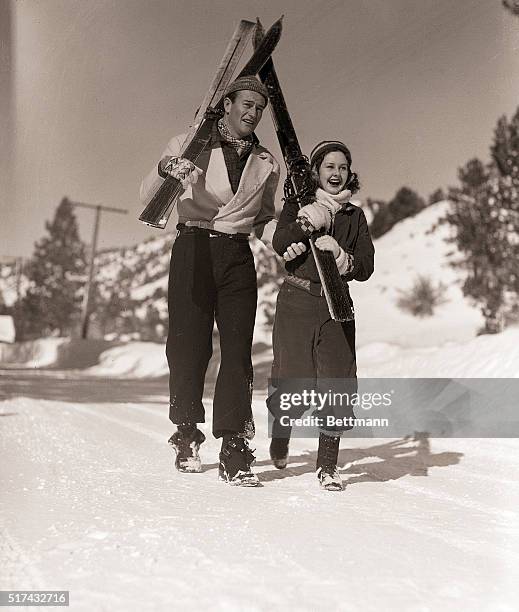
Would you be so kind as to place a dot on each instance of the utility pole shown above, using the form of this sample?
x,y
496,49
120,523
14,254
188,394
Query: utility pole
x,y
88,289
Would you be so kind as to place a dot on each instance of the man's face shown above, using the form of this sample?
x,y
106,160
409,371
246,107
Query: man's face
x,y
244,114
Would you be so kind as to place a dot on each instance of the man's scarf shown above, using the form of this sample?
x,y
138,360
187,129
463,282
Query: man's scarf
x,y
242,145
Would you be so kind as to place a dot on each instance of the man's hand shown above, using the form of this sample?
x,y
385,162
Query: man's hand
x,y
294,250
180,168
328,243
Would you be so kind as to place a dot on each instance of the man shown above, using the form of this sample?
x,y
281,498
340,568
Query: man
x,y
212,277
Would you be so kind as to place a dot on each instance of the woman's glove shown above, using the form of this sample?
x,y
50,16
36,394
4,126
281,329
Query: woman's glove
x,y
318,215
328,243
180,168
343,259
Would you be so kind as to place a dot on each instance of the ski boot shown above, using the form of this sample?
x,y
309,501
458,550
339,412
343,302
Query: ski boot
x,y
279,452
236,459
186,443
326,466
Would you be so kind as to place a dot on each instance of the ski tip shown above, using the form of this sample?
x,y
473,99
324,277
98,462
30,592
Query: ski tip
x,y
278,25
259,32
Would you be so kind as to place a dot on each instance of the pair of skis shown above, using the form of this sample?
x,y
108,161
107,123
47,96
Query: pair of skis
x,y
161,204
299,183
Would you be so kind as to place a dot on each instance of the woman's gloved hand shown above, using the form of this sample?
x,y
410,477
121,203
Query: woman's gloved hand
x,y
318,215
328,243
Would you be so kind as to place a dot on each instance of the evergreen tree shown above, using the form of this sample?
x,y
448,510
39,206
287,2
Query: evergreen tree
x,y
436,196
405,203
485,216
55,274
505,190
505,148
512,6
382,221
473,220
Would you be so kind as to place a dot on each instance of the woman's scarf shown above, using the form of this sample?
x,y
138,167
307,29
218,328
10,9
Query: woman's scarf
x,y
333,203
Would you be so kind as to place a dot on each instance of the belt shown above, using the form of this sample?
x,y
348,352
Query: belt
x,y
211,233
315,288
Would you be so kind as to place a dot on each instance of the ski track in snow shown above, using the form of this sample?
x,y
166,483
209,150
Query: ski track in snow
x,y
91,504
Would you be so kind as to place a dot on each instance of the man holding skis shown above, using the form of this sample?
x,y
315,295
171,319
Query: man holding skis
x,y
228,195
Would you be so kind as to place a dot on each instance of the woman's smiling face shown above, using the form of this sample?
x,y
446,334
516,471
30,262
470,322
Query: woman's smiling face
x,y
334,172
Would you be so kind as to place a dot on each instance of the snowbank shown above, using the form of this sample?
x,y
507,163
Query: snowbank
x,y
491,356
488,356
7,331
132,360
34,354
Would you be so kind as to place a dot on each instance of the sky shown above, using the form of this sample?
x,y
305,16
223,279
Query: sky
x,y
92,90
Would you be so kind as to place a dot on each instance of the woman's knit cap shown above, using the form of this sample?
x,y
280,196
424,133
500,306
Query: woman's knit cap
x,y
326,146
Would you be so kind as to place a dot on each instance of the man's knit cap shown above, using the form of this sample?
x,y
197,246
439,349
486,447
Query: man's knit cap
x,y
248,83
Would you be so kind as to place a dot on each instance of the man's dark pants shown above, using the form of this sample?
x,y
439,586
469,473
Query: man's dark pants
x,y
211,278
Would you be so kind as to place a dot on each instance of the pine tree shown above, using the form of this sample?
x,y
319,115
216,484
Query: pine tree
x,y
405,203
505,153
55,274
485,216
512,6
474,223
436,196
505,148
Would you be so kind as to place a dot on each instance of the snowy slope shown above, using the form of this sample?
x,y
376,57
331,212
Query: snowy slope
x,y
132,282
413,247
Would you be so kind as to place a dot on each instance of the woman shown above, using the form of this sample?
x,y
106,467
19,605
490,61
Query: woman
x,y
307,342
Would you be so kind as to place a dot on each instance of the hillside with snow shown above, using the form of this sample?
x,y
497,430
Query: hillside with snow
x,y
131,283
415,246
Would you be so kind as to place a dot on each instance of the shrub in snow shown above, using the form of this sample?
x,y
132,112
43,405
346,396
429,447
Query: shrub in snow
x,y
422,298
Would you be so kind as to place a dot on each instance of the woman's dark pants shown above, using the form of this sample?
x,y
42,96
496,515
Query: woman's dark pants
x,y
309,345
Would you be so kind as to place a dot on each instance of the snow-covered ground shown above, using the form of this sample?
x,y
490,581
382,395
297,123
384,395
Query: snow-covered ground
x,y
91,503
